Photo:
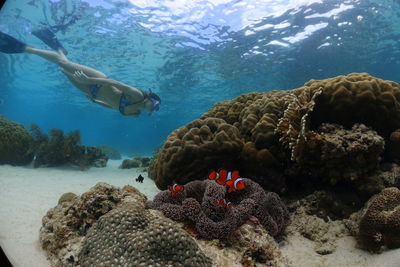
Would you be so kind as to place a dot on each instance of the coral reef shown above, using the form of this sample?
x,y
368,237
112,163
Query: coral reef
x,y
380,221
144,161
110,152
394,145
59,149
130,235
195,204
110,225
65,225
129,164
192,150
329,131
16,145
256,246
136,162
358,98
333,153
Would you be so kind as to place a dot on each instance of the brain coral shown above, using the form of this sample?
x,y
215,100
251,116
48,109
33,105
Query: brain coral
x,y
358,98
192,150
132,236
67,223
274,131
196,204
15,143
380,223
92,229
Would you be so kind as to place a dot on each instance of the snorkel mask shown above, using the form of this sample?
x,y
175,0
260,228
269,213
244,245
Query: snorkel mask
x,y
154,101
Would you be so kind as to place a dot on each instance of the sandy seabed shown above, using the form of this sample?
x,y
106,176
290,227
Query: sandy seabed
x,y
26,194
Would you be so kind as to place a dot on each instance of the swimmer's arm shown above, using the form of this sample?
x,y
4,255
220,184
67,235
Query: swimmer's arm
x,y
71,76
126,89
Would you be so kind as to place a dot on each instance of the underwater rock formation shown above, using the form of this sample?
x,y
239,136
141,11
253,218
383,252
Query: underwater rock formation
x,y
380,221
111,225
196,204
15,143
283,138
58,149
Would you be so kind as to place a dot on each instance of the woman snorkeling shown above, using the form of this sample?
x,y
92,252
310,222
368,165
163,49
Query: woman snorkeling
x,y
126,99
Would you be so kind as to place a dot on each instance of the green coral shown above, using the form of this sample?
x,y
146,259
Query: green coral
x,y
15,143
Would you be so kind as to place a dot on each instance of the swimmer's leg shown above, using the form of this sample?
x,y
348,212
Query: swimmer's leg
x,y
58,58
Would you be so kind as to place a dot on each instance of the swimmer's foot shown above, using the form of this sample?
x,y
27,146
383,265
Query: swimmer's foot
x,y
49,38
10,45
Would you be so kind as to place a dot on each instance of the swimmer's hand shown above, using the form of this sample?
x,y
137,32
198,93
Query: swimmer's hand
x,y
81,77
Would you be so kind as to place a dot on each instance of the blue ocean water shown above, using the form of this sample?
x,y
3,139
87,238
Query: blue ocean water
x,y
191,53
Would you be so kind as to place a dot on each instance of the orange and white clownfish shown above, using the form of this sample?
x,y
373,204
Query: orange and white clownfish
x,y
222,176
235,183
175,189
223,203
219,177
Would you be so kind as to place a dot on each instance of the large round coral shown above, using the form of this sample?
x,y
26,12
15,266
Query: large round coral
x,y
192,150
380,223
66,224
358,98
132,236
15,143
196,204
282,132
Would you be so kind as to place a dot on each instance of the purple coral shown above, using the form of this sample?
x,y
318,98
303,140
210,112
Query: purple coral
x,y
195,204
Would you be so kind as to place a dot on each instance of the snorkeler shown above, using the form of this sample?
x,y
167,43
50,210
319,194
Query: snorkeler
x,y
95,84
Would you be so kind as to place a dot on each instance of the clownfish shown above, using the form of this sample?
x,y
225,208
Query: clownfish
x,y
235,184
223,203
175,189
230,179
222,176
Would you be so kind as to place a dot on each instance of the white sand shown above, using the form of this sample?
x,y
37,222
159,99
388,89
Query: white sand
x,y
26,194
301,252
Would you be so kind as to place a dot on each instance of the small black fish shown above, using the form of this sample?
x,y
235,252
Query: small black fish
x,y
70,259
140,179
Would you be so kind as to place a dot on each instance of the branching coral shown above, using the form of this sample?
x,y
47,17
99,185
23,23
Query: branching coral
x,y
196,204
380,223
15,143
